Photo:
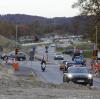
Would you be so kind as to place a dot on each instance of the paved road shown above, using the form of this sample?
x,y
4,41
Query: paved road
x,y
52,73
51,54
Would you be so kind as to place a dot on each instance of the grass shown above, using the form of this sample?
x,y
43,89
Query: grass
x,y
7,44
87,47
60,49
87,53
84,46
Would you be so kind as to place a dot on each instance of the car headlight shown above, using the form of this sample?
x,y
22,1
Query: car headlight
x,y
90,76
70,76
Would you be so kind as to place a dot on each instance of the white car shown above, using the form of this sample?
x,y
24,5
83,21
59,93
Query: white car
x,y
53,45
58,57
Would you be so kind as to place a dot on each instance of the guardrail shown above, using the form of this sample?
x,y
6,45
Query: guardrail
x,y
40,43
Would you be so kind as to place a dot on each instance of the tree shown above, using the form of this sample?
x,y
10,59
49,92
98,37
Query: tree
x,y
90,7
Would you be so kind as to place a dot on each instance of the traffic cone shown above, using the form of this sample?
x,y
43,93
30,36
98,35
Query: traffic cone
x,y
15,65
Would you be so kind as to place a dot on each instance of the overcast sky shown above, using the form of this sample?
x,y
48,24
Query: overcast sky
x,y
45,8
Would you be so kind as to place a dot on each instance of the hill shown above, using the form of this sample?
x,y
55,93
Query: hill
x,y
36,24
28,19
6,44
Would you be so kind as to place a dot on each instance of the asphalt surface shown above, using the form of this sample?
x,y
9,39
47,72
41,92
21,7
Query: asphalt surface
x,y
52,73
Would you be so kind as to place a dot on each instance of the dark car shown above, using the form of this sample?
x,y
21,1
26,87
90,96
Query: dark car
x,y
20,56
75,55
68,51
78,74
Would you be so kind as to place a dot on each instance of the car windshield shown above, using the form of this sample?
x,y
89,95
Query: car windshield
x,y
77,70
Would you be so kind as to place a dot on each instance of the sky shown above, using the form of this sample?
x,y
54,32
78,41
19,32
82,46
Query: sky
x,y
45,8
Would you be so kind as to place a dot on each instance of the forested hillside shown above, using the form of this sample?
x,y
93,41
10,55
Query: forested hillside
x,y
29,25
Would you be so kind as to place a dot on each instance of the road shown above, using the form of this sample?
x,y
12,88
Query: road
x,y
52,73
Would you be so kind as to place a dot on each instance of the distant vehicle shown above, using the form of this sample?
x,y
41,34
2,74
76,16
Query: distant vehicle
x,y
75,54
53,45
65,65
78,74
58,57
79,60
68,51
20,56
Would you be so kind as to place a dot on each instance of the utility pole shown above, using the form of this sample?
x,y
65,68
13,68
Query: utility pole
x,y
16,34
96,37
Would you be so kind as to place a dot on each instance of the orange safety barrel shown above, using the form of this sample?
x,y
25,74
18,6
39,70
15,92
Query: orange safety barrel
x,y
15,66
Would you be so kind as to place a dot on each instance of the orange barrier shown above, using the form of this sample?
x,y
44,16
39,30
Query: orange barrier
x,y
15,66
96,67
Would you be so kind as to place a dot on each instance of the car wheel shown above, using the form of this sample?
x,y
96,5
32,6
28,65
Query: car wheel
x,y
91,82
67,80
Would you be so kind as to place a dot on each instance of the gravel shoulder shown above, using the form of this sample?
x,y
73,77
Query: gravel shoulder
x,y
29,87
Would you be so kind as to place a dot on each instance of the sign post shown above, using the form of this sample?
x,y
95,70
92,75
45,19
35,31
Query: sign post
x,y
95,54
16,52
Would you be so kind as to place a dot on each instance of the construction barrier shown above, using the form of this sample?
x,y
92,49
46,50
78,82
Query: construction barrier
x,y
15,66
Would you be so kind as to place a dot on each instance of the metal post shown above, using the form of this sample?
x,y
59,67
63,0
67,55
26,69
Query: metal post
x,y
16,34
96,37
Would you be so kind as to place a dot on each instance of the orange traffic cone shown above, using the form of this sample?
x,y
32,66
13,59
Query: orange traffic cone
x,y
15,65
